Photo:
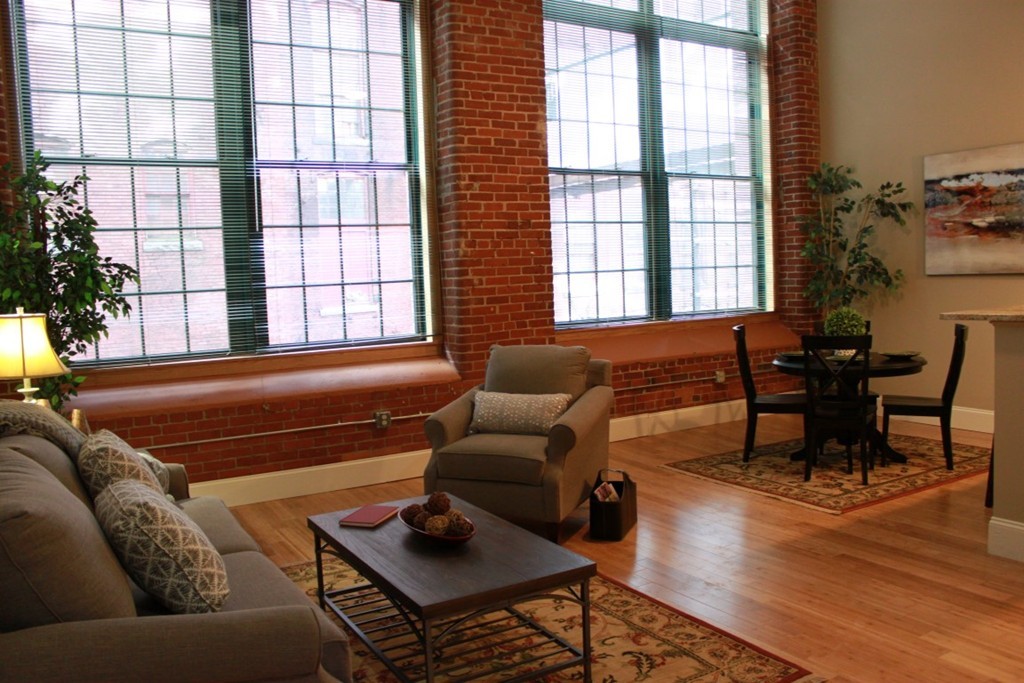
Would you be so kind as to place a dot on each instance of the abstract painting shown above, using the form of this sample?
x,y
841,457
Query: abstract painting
x,y
974,211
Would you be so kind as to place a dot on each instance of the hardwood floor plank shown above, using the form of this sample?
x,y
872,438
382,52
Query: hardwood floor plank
x,y
901,591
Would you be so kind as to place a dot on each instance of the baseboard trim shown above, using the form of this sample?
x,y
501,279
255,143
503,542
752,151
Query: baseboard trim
x,y
1006,538
971,419
304,481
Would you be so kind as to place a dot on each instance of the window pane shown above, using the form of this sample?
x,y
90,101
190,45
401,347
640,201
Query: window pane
x,y
597,238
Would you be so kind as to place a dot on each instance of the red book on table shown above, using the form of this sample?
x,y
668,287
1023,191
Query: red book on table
x,y
368,515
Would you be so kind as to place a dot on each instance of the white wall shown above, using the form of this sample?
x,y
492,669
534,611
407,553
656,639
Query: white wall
x,y
900,80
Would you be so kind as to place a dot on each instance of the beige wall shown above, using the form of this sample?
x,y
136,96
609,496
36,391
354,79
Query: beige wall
x,y
900,80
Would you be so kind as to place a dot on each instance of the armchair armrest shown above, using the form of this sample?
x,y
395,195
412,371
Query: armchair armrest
x,y
580,419
264,644
449,424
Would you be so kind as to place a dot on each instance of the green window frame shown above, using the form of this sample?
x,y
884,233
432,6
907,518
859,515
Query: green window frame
x,y
258,162
659,171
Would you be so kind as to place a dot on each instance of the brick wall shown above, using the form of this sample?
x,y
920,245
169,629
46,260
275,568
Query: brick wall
x,y
796,147
494,255
492,185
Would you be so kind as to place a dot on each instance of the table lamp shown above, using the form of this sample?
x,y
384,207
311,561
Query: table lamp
x,y
25,350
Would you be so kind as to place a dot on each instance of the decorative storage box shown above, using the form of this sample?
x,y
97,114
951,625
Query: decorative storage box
x,y
610,520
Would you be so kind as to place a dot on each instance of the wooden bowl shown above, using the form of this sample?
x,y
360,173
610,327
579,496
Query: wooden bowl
x,y
448,540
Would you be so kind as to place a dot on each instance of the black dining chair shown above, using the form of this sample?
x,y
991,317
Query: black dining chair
x,y
779,404
838,399
923,406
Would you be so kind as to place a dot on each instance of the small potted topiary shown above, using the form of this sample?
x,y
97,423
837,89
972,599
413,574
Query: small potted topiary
x,y
845,321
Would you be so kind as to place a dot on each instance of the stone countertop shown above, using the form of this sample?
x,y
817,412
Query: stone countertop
x,y
1008,314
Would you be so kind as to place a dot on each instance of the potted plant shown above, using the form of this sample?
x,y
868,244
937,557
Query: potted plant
x,y
50,263
845,321
844,269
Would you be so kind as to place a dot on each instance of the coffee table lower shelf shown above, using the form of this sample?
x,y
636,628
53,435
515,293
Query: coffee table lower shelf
x,y
499,640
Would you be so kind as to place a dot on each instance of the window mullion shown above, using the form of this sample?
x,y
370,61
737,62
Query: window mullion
x,y
243,243
655,181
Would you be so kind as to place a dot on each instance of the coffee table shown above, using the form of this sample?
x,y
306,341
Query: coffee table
x,y
430,609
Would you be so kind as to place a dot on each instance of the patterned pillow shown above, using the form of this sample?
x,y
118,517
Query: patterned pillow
x,y
106,458
159,470
162,549
18,417
494,411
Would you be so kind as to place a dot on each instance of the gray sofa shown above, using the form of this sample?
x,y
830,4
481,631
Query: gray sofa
x,y
57,572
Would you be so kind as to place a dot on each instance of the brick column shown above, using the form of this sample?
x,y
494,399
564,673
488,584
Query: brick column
x,y
796,148
492,184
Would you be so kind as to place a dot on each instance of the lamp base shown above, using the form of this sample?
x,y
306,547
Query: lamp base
x,y
28,391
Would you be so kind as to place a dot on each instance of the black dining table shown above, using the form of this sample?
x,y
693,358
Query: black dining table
x,y
882,365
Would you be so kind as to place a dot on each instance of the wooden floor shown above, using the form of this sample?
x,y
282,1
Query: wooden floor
x,y
902,591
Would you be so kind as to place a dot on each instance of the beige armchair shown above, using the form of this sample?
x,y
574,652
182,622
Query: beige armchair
x,y
501,451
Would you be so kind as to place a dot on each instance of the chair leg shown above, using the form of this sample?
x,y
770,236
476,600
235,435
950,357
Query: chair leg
x,y
864,459
849,458
748,443
885,439
947,439
810,451
991,463
553,531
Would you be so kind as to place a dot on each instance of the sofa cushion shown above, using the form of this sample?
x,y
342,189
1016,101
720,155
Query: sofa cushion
x,y
219,525
538,369
514,458
258,583
105,458
55,565
164,551
497,412
51,457
18,417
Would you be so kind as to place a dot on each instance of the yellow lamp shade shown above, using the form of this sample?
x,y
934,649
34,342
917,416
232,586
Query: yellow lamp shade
x,y
25,350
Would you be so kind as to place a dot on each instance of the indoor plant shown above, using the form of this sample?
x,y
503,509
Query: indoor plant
x,y
50,263
844,269
845,321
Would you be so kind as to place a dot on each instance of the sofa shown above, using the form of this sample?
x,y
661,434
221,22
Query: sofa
x,y
73,608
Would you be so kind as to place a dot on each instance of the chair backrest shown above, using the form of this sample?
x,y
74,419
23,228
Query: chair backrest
x,y
739,333
956,363
842,381
538,369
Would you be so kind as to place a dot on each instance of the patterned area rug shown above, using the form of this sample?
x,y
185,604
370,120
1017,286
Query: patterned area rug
x,y
770,472
633,638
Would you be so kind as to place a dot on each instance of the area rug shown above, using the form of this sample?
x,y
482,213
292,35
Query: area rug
x,y
633,638
770,472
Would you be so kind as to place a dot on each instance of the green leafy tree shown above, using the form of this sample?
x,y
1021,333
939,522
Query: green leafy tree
x,y
49,263
838,236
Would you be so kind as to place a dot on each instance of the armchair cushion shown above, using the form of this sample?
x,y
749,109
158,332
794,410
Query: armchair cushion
x,y
516,458
544,369
502,413
162,548
55,565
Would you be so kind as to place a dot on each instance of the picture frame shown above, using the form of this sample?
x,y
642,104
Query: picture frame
x,y
974,211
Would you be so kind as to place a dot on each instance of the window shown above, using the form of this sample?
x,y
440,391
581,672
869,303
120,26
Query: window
x,y
657,164
256,162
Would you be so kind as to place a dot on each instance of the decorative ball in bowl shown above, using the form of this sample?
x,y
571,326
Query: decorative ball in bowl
x,y
436,519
